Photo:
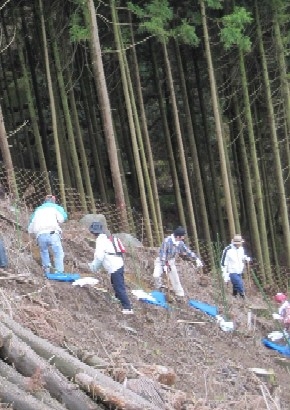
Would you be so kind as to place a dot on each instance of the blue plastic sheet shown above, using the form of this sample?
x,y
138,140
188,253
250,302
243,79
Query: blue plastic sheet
x,y
160,299
63,277
208,309
285,350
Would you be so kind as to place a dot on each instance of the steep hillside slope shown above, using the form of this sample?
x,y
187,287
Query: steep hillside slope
x,y
211,367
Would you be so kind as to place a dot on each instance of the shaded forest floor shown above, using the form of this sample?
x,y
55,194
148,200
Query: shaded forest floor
x,y
211,366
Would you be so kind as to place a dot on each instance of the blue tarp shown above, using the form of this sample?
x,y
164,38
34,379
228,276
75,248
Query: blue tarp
x,y
285,350
159,297
208,309
63,277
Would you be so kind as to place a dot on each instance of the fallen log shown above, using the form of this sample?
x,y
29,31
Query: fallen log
x,y
89,358
89,384
26,384
108,390
28,363
21,400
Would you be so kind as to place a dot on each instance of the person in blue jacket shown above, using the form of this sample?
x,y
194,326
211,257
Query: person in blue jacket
x,y
45,225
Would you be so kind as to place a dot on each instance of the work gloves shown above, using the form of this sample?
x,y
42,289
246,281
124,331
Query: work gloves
x,y
95,265
225,274
199,263
166,267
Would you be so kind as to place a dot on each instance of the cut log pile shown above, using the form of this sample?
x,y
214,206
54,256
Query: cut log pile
x,y
34,374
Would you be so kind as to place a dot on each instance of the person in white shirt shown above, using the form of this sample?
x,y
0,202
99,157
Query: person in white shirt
x,y
45,225
284,310
233,264
109,254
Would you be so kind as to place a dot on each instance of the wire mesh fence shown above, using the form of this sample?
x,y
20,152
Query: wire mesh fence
x,y
32,189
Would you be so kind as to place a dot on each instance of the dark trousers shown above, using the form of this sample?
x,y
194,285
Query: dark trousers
x,y
238,283
118,283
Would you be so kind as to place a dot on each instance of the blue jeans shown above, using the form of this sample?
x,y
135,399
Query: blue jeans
x,y
3,255
238,283
118,283
53,241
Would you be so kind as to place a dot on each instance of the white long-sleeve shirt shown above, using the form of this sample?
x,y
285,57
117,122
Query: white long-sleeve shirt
x,y
233,258
105,254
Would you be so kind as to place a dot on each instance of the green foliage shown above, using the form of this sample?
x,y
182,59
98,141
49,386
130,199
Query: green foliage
x,y
214,4
233,32
78,32
186,33
156,18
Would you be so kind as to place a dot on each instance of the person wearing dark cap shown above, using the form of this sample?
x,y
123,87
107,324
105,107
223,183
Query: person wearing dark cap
x,y
165,262
109,255
45,225
233,264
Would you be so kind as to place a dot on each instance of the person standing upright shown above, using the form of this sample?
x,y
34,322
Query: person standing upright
x,y
45,225
165,262
233,264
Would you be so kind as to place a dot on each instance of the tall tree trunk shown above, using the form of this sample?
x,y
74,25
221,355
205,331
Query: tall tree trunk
x,y
195,160
191,216
33,118
4,148
99,77
136,150
170,154
267,182
68,120
284,77
93,133
275,145
81,149
255,167
52,107
249,198
31,62
215,208
219,133
8,108
145,134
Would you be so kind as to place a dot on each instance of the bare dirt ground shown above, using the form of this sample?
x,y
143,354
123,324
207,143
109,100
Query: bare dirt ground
x,y
211,366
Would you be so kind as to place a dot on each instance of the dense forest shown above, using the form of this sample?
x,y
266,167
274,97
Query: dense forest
x,y
179,110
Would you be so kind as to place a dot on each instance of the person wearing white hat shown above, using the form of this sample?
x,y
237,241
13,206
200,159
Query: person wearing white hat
x,y
165,262
233,264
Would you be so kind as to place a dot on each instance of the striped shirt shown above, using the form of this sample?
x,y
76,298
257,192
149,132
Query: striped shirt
x,y
170,247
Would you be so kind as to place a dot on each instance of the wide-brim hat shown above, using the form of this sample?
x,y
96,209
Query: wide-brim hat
x,y
237,239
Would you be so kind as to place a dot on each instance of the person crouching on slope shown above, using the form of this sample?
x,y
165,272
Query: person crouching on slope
x,y
233,264
284,310
165,262
45,225
108,253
